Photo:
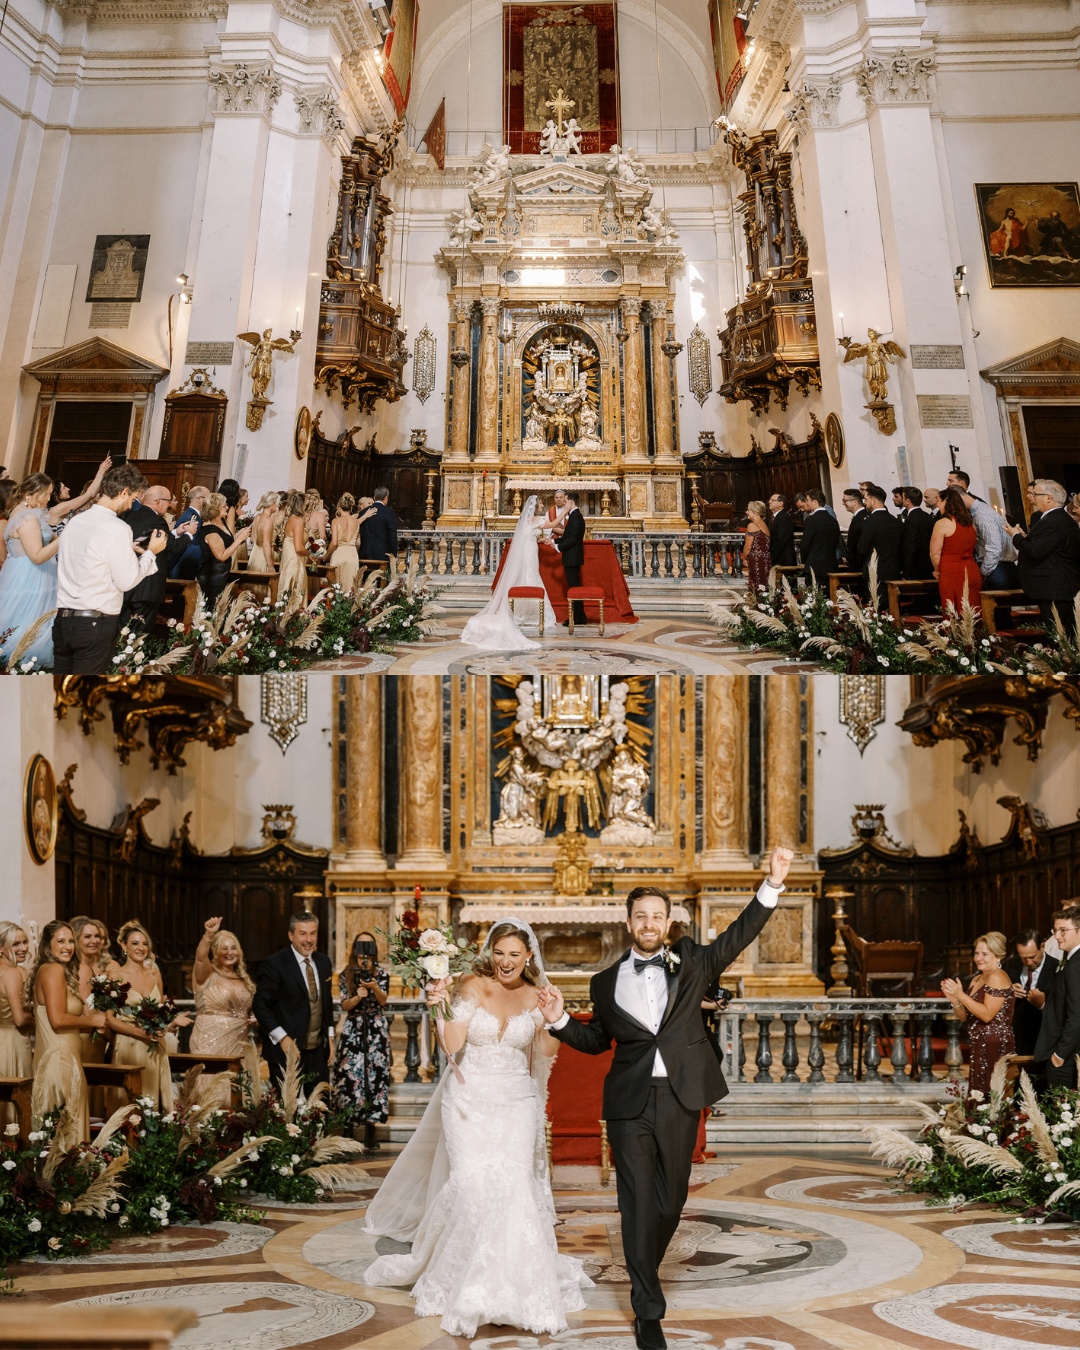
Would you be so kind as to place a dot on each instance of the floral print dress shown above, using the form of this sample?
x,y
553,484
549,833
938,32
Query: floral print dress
x,y
361,1073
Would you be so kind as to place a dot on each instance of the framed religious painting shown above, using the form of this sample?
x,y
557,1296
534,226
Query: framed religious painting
x,y
561,62
40,807
1031,233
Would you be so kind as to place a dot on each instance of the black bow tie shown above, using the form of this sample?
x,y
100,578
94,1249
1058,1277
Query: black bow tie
x,y
640,965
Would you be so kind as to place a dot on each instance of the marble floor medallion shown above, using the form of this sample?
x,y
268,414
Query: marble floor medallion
x,y
246,1315
618,1338
192,1242
1053,1246
846,1192
990,1316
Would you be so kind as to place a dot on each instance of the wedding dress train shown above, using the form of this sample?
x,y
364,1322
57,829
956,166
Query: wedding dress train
x,y
484,1250
495,627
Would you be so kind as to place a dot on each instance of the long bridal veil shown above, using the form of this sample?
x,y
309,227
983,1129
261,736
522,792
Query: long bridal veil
x,y
495,626
423,1167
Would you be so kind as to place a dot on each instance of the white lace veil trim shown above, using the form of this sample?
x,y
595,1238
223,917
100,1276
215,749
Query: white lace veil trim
x,y
423,1166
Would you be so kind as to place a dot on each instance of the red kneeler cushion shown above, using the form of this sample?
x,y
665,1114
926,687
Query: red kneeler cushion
x,y
575,1105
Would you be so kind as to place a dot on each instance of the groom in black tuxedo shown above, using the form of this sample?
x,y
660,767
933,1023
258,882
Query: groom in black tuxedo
x,y
571,544
664,1071
293,1003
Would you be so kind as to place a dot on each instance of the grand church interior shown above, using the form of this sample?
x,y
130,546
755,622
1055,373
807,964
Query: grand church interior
x,y
924,818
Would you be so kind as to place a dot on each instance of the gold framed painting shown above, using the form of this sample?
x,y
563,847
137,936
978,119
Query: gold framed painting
x,y
40,806
1031,233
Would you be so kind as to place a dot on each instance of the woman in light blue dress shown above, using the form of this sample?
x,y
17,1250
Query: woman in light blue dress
x,y
28,577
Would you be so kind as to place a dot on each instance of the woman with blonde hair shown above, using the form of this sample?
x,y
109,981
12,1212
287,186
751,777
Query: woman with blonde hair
x,y
316,516
92,958
344,559
987,1007
223,996
294,550
261,558
756,549
149,1053
219,545
16,1015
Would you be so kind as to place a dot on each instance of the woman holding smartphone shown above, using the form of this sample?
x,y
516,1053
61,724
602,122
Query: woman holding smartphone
x,y
361,1072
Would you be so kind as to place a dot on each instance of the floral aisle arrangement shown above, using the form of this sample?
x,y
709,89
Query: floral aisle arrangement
x,y
421,956
1013,1151
850,636
148,1169
243,636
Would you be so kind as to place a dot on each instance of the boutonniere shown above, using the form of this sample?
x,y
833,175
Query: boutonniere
x,y
672,960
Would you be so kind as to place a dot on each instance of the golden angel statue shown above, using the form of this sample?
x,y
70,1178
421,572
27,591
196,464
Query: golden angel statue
x,y
263,346
878,355
573,786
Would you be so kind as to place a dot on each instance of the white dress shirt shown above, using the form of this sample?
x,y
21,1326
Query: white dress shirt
x,y
97,563
279,1033
644,996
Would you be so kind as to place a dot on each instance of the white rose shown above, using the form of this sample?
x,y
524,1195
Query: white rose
x,y
11,1129
431,940
437,966
34,1226
55,1244
9,1166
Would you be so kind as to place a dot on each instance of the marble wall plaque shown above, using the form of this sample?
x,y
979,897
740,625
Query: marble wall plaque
x,y
936,356
209,354
110,315
945,410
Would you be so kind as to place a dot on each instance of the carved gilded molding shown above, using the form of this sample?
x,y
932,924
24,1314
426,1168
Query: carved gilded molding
x,y
978,710
171,711
862,707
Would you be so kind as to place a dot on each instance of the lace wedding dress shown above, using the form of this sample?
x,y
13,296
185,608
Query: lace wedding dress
x,y
484,1249
495,627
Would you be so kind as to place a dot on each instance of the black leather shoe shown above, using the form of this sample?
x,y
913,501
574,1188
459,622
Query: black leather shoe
x,y
649,1334
565,623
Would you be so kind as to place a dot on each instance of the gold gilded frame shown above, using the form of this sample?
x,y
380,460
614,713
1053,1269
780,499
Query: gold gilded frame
x,y
41,816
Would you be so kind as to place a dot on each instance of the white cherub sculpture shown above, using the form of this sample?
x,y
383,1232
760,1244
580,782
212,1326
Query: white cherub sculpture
x,y
548,137
572,136
626,166
657,224
463,225
495,165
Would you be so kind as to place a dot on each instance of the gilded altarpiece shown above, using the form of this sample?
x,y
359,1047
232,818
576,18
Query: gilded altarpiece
x,y
562,345
555,795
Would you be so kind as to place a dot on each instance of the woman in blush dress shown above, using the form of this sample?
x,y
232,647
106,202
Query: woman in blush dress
x,y
987,1007
361,1073
133,1046
16,1015
471,1190
756,549
952,551
223,995
261,557
344,560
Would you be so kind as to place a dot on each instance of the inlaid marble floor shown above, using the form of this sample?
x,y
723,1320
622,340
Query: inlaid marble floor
x,y
794,1251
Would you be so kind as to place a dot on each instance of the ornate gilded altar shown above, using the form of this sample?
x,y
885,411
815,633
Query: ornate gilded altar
x,y
770,342
562,342
360,351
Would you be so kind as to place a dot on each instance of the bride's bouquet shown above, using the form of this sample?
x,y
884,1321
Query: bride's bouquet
x,y
107,996
421,956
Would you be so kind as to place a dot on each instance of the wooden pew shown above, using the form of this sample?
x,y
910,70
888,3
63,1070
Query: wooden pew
x,y
17,1091
845,581
899,591
794,576
1014,603
37,1325
187,592
123,1076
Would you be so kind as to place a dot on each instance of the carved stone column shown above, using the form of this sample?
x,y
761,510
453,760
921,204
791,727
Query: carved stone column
x,y
725,833
634,378
364,772
459,429
661,368
421,774
487,433
783,746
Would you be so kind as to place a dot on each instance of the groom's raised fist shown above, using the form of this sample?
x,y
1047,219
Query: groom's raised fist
x,y
780,862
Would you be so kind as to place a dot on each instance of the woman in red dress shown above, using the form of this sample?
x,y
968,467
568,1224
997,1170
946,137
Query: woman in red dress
x,y
952,551
756,549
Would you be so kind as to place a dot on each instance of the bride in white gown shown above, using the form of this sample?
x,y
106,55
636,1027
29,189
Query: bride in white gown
x,y
495,626
470,1191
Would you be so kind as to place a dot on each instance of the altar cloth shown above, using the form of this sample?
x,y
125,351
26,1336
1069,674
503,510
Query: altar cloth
x,y
601,569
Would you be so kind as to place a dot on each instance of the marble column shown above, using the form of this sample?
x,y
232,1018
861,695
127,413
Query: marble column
x,y
487,431
364,772
783,749
725,833
661,365
459,430
421,774
634,382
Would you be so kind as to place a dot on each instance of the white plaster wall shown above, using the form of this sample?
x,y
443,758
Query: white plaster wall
x,y
26,729
924,787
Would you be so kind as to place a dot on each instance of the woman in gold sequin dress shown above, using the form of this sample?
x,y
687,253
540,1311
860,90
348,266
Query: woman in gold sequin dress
x,y
223,994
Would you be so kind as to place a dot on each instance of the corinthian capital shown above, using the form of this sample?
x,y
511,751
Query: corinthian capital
x,y
319,113
489,306
814,105
895,77
245,89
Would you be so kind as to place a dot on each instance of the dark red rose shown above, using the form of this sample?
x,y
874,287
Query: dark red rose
x,y
410,919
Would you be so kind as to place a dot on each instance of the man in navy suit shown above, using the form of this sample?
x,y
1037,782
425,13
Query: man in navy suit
x,y
293,1003
378,536
187,565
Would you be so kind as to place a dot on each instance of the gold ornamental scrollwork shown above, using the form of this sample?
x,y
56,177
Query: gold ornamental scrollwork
x,y
424,349
699,354
862,707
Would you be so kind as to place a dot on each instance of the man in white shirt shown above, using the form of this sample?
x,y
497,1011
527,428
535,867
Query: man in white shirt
x,y
98,562
664,1073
